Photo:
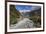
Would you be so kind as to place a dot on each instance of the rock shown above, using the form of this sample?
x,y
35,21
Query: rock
x,y
25,23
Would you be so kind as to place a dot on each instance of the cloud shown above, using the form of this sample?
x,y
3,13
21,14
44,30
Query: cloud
x,y
23,7
35,7
26,8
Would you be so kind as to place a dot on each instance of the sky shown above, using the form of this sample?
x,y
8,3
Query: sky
x,y
26,8
23,7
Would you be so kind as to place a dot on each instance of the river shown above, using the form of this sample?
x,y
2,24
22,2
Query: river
x,y
25,23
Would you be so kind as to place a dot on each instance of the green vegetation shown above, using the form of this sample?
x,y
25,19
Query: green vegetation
x,y
36,20
14,14
35,16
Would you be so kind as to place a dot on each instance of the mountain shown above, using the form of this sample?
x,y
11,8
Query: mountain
x,y
32,13
36,12
14,14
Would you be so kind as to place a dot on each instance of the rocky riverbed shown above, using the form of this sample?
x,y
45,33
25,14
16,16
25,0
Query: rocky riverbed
x,y
25,23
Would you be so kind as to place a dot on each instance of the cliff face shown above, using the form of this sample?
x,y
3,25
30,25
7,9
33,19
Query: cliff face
x,y
36,12
34,15
14,14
